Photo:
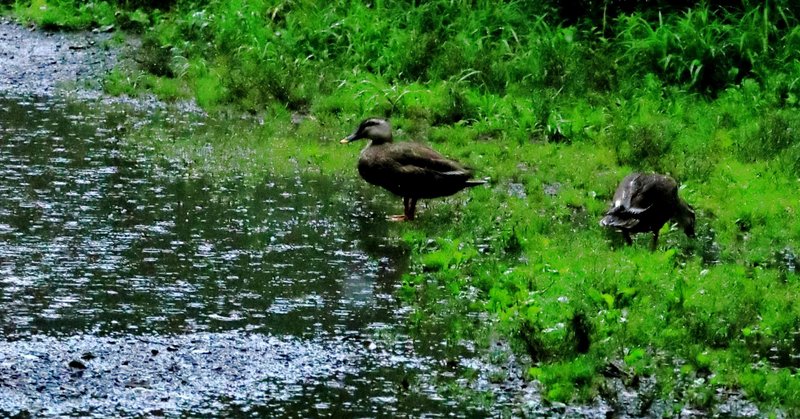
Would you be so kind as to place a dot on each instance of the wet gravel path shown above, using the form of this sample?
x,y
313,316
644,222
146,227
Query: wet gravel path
x,y
34,62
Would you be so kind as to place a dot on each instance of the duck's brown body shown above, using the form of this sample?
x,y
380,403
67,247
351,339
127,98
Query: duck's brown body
x,y
410,170
645,202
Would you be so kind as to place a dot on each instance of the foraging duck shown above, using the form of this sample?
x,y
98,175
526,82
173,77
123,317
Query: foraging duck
x,y
407,169
645,202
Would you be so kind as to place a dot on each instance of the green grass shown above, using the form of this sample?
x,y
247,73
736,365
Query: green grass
x,y
82,15
556,113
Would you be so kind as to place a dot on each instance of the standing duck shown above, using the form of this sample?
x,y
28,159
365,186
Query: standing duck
x,y
407,169
645,202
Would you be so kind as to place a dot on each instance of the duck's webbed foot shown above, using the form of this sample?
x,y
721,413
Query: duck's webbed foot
x,y
409,208
404,216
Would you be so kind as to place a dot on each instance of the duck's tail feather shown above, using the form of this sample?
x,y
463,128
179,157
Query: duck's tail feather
x,y
455,174
472,183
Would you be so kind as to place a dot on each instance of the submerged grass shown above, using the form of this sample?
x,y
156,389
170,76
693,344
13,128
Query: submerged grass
x,y
554,114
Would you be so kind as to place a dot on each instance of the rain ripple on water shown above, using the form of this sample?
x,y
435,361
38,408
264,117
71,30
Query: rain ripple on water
x,y
102,250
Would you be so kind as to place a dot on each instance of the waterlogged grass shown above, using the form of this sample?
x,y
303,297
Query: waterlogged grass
x,y
554,115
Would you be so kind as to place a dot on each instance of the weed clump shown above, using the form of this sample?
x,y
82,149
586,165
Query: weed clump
x,y
155,58
775,133
645,146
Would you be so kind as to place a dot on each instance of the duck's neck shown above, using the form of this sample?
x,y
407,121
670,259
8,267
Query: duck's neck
x,y
376,142
683,207
685,213
380,140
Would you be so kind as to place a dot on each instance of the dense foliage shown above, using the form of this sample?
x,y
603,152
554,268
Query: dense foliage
x,y
555,102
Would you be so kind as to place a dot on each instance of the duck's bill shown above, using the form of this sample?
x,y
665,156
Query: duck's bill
x,y
349,138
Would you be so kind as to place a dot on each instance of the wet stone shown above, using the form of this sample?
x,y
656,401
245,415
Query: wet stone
x,y
77,365
551,189
517,190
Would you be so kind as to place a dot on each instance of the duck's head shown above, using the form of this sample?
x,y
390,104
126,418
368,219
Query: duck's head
x,y
686,219
375,129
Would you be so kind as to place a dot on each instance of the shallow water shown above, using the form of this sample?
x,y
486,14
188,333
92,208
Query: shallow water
x,y
128,287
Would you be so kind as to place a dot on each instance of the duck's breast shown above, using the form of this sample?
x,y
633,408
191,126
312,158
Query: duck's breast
x,y
375,168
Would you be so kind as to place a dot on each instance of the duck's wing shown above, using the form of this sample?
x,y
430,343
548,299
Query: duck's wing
x,y
653,191
635,196
415,158
632,200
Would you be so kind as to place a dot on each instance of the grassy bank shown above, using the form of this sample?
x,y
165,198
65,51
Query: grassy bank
x,y
555,110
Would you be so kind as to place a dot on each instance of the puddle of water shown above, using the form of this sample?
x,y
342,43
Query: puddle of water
x,y
202,374
92,244
265,299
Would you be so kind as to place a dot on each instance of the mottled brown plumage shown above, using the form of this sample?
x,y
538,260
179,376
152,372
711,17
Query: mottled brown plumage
x,y
407,169
645,202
